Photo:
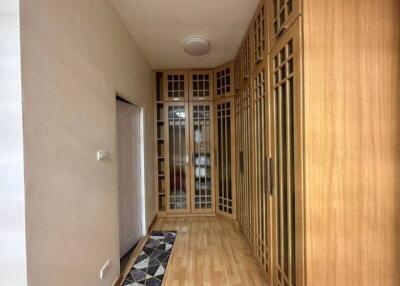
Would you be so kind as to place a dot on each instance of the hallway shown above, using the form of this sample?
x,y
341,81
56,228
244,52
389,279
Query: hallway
x,y
209,251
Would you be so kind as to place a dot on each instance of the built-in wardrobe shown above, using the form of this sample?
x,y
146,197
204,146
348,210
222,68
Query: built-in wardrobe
x,y
303,101
195,142
299,141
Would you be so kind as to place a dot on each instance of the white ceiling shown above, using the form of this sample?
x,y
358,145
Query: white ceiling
x,y
160,26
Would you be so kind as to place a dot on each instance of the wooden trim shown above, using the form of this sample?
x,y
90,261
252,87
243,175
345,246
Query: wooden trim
x,y
153,221
132,259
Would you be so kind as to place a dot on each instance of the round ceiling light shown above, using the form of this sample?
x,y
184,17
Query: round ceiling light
x,y
196,46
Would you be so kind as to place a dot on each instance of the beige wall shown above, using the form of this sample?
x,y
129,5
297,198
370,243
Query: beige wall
x,y
76,54
12,207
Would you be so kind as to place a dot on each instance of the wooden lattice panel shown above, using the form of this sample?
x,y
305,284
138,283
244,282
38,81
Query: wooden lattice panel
x,y
262,199
175,86
225,151
201,85
177,141
202,147
259,35
282,14
287,110
246,148
245,58
224,80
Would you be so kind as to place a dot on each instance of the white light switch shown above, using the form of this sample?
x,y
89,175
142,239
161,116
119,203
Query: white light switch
x,y
101,154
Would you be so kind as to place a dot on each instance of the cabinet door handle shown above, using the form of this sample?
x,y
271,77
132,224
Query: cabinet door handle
x,y
283,29
271,176
241,162
266,174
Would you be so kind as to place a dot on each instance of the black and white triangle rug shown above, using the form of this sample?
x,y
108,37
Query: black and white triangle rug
x,y
150,265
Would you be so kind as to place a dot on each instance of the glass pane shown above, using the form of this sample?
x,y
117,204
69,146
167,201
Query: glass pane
x,y
202,156
177,156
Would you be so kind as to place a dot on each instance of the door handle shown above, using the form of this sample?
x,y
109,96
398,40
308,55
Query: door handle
x,y
270,175
281,30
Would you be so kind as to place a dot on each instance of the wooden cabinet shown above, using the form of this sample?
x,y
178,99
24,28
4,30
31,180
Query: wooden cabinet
x,y
202,157
287,146
244,128
225,157
261,155
189,158
201,85
259,34
224,81
282,14
175,85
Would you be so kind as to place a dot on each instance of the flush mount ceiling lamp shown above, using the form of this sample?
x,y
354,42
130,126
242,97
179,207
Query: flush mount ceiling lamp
x,y
196,46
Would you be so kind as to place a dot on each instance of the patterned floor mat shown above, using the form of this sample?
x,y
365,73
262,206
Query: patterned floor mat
x,y
150,265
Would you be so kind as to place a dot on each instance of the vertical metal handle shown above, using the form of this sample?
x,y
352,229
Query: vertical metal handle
x,y
271,175
241,162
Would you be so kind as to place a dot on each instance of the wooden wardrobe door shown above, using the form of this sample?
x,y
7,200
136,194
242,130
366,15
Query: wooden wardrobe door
x,y
282,14
224,81
225,157
239,156
286,96
177,158
175,85
201,150
246,150
201,85
261,153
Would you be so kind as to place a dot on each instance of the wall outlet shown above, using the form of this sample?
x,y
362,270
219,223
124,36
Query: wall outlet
x,y
101,154
103,270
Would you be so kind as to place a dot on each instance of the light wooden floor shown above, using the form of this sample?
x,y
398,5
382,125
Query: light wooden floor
x,y
209,251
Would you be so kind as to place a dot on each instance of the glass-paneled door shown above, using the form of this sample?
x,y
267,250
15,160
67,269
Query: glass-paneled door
x,y
201,149
225,157
177,158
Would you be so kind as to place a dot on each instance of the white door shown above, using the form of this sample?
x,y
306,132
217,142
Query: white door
x,y
129,176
